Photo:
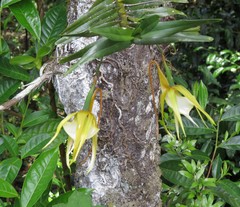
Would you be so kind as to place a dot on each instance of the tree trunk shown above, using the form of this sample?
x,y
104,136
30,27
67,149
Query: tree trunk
x,y
126,171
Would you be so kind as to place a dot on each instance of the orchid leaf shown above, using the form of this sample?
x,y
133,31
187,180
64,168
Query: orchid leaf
x,y
114,33
101,48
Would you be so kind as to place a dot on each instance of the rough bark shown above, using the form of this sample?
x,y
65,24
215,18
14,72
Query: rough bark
x,y
126,172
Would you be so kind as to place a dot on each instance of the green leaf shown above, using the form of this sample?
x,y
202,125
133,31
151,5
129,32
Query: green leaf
x,y
99,49
232,114
43,51
7,88
77,199
4,50
27,15
228,191
7,190
147,24
216,168
199,155
9,169
35,118
11,145
232,143
38,177
13,129
12,71
114,33
49,127
203,95
192,129
6,3
64,198
53,25
34,145
22,60
170,171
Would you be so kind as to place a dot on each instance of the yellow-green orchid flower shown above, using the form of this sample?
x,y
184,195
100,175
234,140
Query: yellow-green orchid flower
x,y
179,99
79,126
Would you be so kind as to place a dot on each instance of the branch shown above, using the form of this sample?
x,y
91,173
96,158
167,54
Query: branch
x,y
31,86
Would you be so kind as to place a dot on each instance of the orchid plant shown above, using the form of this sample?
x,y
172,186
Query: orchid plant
x,y
80,126
179,99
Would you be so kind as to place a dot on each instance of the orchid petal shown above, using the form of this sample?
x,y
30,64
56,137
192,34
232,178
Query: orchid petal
x,y
191,98
69,149
162,99
94,153
171,100
59,127
71,128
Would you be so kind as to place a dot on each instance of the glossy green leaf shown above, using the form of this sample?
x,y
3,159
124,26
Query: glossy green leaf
x,y
216,167
232,114
170,171
27,15
48,127
101,48
203,95
7,88
53,25
22,60
199,155
77,198
12,71
94,14
11,145
164,31
6,3
9,169
38,177
147,24
192,129
35,144
7,190
35,118
114,33
232,143
43,51
228,191
13,129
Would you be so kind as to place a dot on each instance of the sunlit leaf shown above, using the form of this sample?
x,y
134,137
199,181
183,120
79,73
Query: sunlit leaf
x,y
21,60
